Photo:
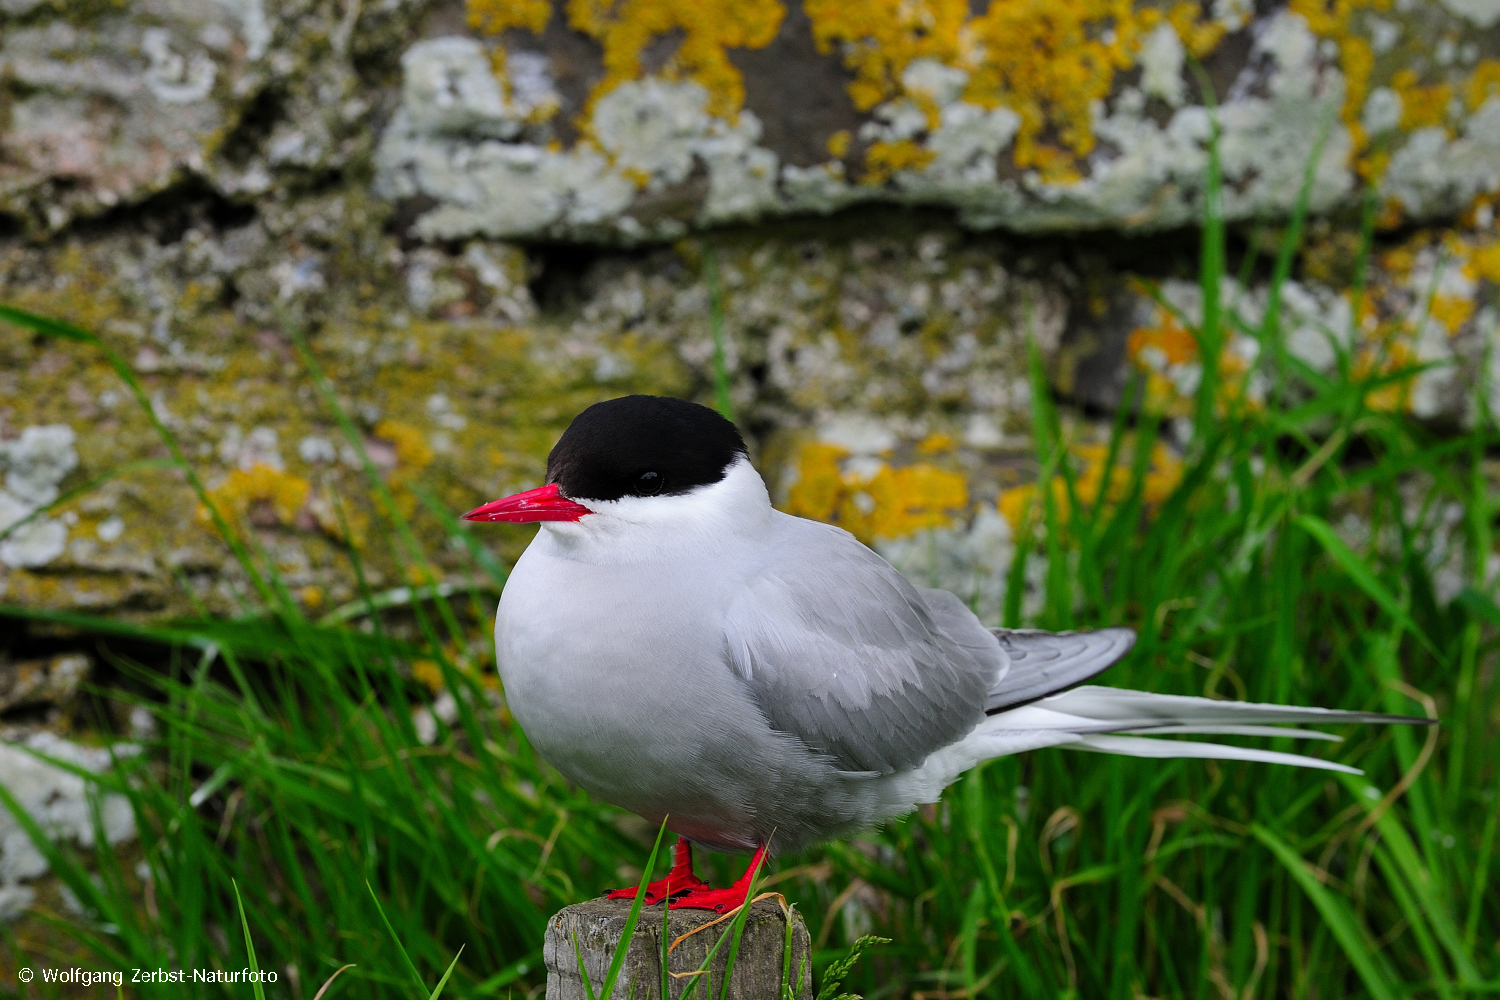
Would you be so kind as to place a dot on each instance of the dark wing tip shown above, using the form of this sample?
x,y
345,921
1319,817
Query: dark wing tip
x,y
1045,663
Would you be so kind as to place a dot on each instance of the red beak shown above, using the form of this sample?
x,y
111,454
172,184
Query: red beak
x,y
544,503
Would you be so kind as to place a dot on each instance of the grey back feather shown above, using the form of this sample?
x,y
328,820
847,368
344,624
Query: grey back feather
x,y
1043,663
840,651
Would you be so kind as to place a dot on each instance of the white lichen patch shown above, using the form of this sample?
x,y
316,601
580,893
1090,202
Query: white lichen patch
x,y
35,463
1382,111
262,446
1480,13
173,77
456,139
1432,173
652,127
1162,58
60,802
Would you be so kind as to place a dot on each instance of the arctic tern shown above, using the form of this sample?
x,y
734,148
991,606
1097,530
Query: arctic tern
x,y
675,645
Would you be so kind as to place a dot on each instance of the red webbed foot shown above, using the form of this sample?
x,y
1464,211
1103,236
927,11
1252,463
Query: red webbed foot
x,y
678,881
721,900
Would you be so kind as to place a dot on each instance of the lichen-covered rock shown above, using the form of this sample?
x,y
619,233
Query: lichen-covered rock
x,y
201,183
34,464
1428,304
1016,115
61,803
880,367
107,105
642,120
52,681
457,379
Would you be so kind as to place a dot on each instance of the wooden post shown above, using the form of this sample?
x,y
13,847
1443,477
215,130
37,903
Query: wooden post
x,y
598,924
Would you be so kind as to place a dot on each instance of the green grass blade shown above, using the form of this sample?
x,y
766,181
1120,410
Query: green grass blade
x,y
786,956
1359,571
1336,916
1481,879
260,991
583,972
1431,908
737,930
666,949
437,990
396,939
617,962
716,322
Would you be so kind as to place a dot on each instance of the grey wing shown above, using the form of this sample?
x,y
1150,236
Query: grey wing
x,y
1043,663
838,650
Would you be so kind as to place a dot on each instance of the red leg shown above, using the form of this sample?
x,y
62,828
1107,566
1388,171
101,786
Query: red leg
x,y
721,900
679,880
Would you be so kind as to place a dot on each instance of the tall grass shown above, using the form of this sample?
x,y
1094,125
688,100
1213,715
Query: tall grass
x,y
288,762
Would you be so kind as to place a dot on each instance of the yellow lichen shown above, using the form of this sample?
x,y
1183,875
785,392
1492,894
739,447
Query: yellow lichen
x,y
880,38
820,488
1052,63
1166,344
884,159
1328,17
242,489
1452,311
892,503
1357,60
1483,83
1022,507
1153,349
1484,262
410,444
1422,105
255,381
936,443
1049,62
705,31
429,673
1386,358
494,17
914,498
1176,344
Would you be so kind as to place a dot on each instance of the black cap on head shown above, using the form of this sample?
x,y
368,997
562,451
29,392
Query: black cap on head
x,y
642,446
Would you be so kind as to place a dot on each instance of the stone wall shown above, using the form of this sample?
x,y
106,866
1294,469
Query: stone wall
x,y
486,217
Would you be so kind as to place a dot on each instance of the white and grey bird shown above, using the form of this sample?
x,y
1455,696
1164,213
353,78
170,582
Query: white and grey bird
x,y
677,646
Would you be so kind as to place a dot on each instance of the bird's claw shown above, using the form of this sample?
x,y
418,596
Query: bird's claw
x,y
718,900
673,886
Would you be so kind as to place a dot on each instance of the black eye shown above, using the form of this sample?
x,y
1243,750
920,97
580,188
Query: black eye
x,y
648,484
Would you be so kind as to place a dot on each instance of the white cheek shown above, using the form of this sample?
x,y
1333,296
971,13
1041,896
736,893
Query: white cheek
x,y
637,529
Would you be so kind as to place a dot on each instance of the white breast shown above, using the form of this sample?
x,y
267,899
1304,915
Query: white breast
x,y
610,643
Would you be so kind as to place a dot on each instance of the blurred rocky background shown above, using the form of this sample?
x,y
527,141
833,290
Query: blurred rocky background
x,y
485,217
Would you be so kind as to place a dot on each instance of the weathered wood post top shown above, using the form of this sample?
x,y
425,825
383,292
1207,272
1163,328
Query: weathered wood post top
x,y
598,924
